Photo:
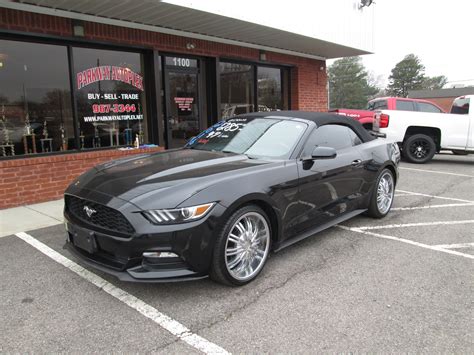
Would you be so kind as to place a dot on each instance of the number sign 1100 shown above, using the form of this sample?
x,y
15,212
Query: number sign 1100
x,y
182,62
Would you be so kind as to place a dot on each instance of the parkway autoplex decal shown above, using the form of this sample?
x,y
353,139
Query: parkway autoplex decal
x,y
109,72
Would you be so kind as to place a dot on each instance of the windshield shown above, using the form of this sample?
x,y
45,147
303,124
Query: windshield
x,y
256,137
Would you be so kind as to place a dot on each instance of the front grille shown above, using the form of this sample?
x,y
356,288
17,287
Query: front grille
x,y
104,217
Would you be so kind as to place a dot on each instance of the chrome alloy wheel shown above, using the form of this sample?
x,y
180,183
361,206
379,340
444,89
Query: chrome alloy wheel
x,y
247,246
385,192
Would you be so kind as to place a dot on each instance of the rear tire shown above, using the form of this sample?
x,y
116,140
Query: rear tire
x,y
382,195
242,247
419,149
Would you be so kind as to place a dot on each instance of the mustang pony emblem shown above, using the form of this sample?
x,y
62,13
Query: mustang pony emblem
x,y
89,211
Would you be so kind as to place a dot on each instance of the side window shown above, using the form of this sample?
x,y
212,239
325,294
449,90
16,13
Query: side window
x,y
403,105
461,106
426,107
333,136
377,105
353,137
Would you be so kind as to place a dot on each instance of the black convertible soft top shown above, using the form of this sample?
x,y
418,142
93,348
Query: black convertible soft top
x,y
319,118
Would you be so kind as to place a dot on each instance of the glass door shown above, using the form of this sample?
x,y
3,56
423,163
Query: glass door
x,y
182,100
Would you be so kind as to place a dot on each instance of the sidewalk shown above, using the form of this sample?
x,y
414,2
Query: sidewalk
x,y
25,218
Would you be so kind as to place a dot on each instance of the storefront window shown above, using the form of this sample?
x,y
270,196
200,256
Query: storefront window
x,y
35,99
237,83
110,98
237,89
269,89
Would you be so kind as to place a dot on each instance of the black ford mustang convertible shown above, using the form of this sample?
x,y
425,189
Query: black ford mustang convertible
x,y
246,186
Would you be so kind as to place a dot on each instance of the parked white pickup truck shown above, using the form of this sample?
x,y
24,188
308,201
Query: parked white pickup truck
x,y
421,134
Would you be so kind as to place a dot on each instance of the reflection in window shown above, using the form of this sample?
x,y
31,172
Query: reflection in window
x,y
269,89
333,136
377,105
403,105
237,89
255,137
110,98
184,108
461,106
427,107
35,99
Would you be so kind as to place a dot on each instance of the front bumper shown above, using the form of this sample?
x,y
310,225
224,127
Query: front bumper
x,y
121,257
138,273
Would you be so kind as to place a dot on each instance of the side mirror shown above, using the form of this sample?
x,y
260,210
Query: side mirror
x,y
323,153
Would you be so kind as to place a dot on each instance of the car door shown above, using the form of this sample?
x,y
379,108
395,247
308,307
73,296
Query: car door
x,y
459,132
329,187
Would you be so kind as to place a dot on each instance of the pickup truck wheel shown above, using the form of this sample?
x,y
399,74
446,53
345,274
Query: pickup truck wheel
x,y
419,149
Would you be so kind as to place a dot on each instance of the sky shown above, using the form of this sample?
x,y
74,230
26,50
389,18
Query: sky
x,y
440,33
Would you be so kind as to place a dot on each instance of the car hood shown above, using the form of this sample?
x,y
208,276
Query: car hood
x,y
161,180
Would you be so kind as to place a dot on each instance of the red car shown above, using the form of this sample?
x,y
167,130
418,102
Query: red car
x,y
366,117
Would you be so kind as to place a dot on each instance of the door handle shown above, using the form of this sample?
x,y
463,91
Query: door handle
x,y
356,162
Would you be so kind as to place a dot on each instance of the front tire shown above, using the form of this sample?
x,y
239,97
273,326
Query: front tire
x,y
242,247
419,148
382,195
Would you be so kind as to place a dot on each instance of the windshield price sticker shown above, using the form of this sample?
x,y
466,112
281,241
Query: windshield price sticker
x,y
219,130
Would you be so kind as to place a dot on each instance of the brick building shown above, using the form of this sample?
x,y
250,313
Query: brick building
x,y
83,82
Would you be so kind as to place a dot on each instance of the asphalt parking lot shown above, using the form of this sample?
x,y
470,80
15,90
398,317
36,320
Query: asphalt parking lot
x,y
401,284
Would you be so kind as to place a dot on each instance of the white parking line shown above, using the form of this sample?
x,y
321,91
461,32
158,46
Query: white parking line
x,y
407,241
433,196
167,323
405,225
454,246
436,172
432,206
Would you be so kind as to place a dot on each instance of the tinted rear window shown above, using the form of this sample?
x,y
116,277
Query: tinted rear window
x,y
403,105
377,105
461,106
426,107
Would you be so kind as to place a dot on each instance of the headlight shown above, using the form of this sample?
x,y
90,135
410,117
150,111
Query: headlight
x,y
178,215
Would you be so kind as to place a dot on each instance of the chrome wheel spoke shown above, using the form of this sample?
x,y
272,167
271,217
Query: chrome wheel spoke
x,y
234,239
243,266
258,236
240,228
236,261
248,225
233,251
